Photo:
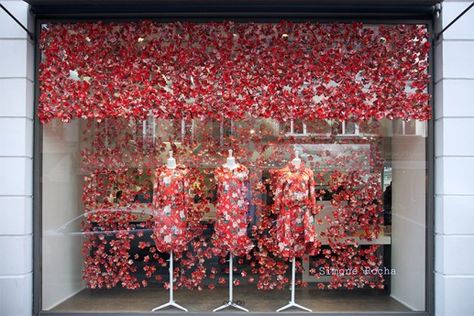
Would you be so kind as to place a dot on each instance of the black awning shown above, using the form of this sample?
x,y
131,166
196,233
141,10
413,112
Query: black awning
x,y
245,8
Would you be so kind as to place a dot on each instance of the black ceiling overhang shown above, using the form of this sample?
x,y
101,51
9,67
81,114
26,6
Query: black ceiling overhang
x,y
352,9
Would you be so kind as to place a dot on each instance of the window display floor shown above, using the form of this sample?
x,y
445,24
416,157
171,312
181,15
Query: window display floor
x,y
142,300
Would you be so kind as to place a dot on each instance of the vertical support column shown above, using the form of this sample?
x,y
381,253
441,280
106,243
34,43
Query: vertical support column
x,y
292,303
293,280
16,161
171,278
231,279
171,302
454,161
230,302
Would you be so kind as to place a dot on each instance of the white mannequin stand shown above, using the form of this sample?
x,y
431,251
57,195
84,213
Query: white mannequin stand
x,y
297,163
231,164
230,302
292,302
171,301
171,164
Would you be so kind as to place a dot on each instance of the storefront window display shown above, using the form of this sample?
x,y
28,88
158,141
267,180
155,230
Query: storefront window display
x,y
285,153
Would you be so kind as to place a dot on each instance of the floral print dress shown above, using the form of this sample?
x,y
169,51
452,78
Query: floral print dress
x,y
294,204
232,211
171,201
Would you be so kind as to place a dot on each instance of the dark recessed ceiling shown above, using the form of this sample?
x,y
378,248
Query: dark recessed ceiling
x,y
320,2
343,8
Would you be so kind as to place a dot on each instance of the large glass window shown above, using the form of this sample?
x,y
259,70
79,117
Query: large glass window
x,y
356,225
330,206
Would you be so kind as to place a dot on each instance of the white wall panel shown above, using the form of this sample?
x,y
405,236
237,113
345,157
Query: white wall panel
x,y
16,138
16,98
458,59
16,215
13,59
455,214
8,27
455,137
454,165
16,296
454,254
453,98
454,175
16,255
462,29
16,174
453,295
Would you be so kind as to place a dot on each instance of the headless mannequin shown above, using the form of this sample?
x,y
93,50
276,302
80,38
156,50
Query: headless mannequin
x,y
296,161
230,163
171,163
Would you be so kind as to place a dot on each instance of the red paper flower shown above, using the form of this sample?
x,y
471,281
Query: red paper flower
x,y
231,70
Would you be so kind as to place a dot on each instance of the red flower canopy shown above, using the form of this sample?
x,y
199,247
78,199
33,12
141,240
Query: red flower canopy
x,y
232,70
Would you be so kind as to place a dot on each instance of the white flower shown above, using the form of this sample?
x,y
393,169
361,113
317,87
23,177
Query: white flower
x,y
240,175
300,195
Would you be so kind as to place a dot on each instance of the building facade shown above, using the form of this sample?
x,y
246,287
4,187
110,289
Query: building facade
x,y
453,115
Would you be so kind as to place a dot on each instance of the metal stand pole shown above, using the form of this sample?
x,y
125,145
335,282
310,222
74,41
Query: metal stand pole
x,y
292,303
230,302
171,302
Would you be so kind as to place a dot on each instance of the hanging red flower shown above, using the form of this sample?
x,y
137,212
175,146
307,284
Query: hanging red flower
x,y
233,70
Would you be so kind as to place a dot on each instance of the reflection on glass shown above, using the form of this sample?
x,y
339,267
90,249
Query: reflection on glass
x,y
364,200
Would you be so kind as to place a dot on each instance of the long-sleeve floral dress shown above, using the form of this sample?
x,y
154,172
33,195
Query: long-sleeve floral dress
x,y
232,211
171,201
294,205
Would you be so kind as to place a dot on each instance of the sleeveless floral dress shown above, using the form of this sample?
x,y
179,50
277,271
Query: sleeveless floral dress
x,y
171,201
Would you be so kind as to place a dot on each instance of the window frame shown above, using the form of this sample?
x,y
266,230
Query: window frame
x,y
269,14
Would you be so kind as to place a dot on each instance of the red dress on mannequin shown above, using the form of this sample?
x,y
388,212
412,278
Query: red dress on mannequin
x,y
294,205
171,201
231,215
